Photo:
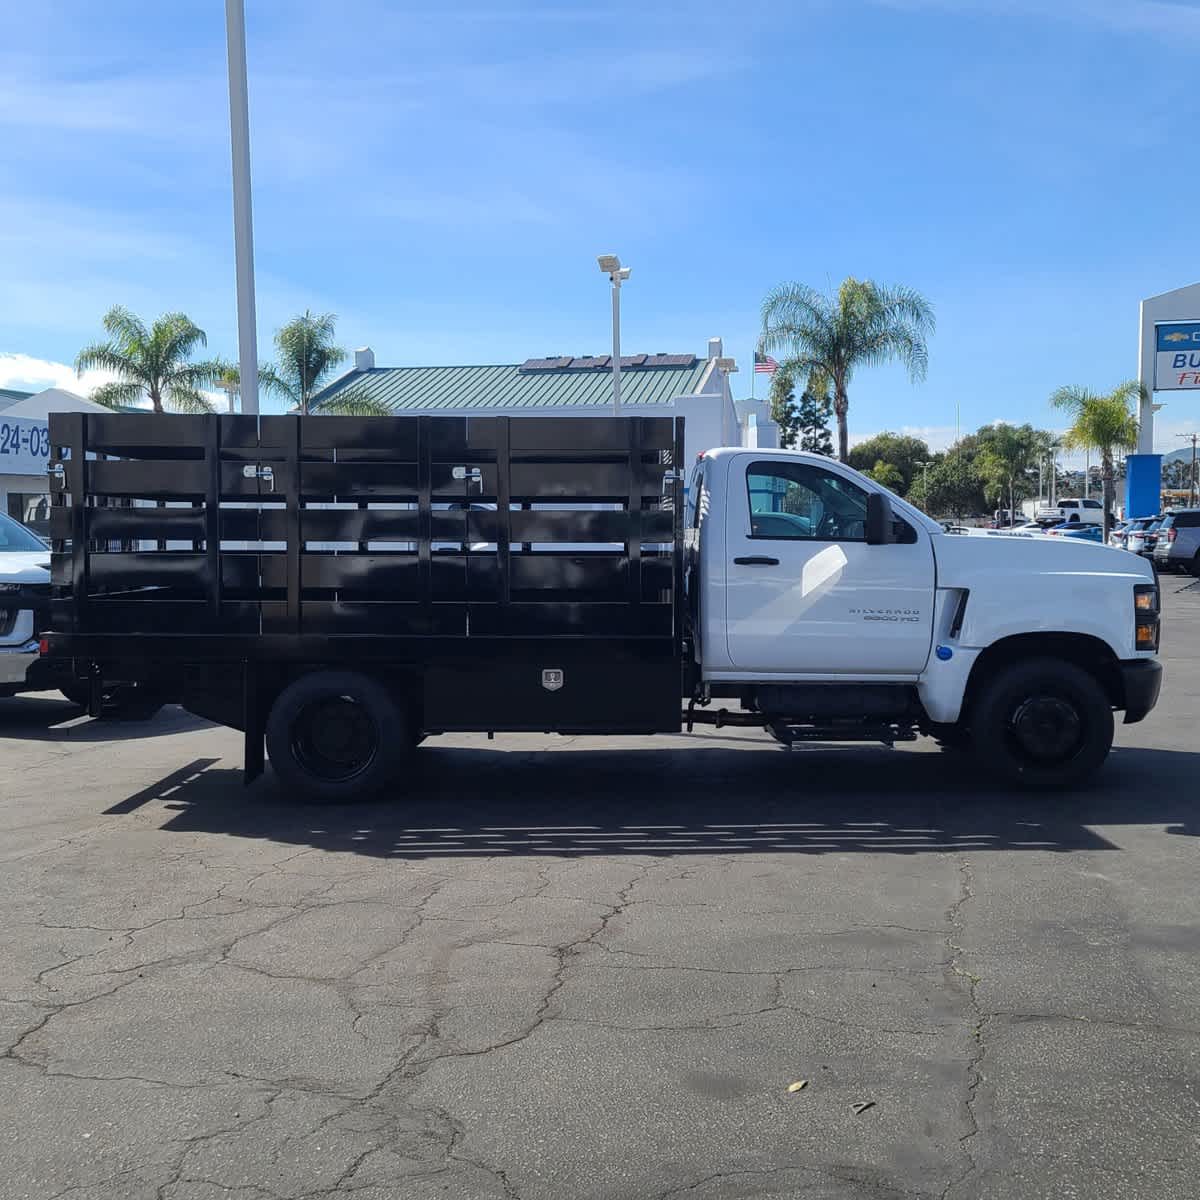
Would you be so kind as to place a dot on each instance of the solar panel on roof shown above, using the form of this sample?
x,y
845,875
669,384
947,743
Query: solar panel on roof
x,y
671,360
544,364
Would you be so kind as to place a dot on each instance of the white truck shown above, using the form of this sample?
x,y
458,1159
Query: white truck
x,y
1082,512
24,605
421,575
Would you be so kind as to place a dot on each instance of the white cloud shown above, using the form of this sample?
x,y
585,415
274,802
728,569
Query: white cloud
x,y
28,374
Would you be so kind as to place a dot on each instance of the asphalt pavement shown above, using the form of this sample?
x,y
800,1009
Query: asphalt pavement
x,y
594,969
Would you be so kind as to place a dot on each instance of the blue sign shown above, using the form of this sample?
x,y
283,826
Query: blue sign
x,y
1177,356
1178,336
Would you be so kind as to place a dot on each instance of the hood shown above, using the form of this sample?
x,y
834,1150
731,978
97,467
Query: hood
x,y
981,553
32,566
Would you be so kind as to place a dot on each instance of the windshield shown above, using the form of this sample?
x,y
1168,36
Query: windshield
x,y
14,537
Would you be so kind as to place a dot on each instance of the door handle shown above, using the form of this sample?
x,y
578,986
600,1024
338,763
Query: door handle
x,y
756,560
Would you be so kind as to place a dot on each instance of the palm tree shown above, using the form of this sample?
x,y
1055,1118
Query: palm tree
x,y
153,363
865,324
308,355
1103,423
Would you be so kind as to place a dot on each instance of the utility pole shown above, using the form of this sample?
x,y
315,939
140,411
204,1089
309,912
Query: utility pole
x,y
1192,483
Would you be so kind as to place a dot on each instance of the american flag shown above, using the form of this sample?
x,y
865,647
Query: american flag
x,y
764,364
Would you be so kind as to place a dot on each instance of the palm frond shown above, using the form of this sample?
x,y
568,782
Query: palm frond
x,y
105,356
269,380
187,400
176,336
129,330
353,402
1071,398
117,395
193,376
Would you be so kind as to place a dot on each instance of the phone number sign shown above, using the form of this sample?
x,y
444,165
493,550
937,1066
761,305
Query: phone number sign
x,y
1177,356
24,446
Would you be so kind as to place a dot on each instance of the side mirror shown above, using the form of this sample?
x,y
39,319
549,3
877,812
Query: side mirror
x,y
881,529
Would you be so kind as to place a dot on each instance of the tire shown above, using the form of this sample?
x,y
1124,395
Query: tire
x,y
1193,568
1042,723
336,736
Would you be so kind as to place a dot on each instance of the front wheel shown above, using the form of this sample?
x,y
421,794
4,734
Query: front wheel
x,y
1042,723
337,736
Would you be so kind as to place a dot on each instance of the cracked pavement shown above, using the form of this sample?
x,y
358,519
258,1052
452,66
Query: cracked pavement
x,y
590,968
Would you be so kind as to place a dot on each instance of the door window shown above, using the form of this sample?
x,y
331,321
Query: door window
x,y
797,500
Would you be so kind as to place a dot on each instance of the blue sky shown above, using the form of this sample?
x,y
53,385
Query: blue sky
x,y
442,175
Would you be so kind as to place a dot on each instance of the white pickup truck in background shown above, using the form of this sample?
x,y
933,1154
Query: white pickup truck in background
x,y
1084,512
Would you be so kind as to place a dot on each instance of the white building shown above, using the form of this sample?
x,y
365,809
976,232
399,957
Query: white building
x,y
25,450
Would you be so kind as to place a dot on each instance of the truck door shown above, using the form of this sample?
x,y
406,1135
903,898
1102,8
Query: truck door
x,y
805,593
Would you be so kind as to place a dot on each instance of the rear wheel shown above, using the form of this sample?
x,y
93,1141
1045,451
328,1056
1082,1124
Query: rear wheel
x,y
1193,568
337,736
1043,723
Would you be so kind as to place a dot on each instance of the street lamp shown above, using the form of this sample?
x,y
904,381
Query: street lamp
x,y
610,264
243,225
925,480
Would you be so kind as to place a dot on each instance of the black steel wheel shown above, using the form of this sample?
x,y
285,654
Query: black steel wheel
x,y
1043,723
337,736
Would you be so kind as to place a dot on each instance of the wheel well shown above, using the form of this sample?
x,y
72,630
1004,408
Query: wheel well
x,y
1084,651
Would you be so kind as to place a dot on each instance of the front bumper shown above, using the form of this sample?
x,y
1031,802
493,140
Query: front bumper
x,y
1141,680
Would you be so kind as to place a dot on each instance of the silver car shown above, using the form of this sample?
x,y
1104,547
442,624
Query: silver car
x,y
1178,544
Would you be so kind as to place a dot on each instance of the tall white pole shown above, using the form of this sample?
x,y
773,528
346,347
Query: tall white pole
x,y
243,224
616,355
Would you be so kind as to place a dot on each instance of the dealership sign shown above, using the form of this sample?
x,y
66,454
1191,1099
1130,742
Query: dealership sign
x,y
24,446
1177,356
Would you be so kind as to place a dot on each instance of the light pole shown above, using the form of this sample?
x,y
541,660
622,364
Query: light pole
x,y
610,264
925,481
243,224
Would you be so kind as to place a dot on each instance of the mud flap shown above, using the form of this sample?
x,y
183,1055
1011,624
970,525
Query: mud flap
x,y
253,724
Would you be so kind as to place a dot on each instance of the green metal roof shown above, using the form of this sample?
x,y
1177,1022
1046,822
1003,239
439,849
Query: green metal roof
x,y
517,386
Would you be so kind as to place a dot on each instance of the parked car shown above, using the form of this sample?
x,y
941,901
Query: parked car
x,y
1077,512
1177,547
1141,540
1118,533
1077,530
24,602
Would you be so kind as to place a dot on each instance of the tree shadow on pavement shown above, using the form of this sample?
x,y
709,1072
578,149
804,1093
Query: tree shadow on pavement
x,y
469,802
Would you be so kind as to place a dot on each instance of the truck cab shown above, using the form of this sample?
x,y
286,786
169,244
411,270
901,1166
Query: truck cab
x,y
801,607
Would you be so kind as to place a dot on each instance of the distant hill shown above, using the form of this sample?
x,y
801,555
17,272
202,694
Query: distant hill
x,y
1184,455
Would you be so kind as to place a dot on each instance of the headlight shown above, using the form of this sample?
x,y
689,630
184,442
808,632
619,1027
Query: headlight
x,y
1145,616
